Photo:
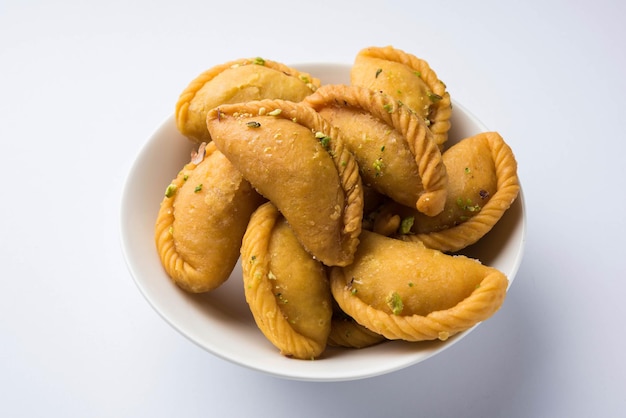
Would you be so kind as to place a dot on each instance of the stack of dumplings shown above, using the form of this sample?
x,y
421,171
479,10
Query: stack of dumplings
x,y
344,204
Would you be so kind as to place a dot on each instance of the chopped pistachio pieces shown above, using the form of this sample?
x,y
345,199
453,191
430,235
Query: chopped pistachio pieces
x,y
394,301
380,70
253,124
378,166
170,190
198,188
434,97
258,61
324,139
406,225
275,112
467,204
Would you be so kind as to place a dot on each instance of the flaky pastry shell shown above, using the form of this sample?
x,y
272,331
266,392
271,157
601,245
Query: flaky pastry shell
x,y
395,150
286,289
403,290
298,161
483,184
408,79
237,81
202,219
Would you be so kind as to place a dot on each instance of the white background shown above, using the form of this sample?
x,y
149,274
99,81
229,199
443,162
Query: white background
x,y
82,86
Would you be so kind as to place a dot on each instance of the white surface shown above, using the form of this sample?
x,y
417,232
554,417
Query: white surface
x,y
82,85
220,321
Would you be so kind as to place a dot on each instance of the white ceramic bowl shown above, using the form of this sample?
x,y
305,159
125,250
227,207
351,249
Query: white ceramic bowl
x,y
220,321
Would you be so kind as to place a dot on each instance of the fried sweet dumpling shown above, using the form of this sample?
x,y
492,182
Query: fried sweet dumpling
x,y
482,185
202,219
286,289
347,333
237,81
408,79
403,290
297,160
393,147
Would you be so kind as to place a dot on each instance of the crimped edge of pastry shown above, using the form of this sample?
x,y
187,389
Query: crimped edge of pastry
x,y
419,138
441,124
189,93
259,289
343,160
480,305
472,230
180,271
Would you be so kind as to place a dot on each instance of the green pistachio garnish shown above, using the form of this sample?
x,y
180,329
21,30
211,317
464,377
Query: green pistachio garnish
x,y
324,140
275,112
434,97
468,205
378,166
406,225
198,188
388,107
380,70
394,301
253,124
170,190
258,61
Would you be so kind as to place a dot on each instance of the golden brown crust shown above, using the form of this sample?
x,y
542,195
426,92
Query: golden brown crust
x,y
316,187
202,220
378,129
376,68
347,333
437,295
234,81
458,236
292,308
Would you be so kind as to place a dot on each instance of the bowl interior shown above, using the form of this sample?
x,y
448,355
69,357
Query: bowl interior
x,y
220,321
